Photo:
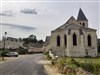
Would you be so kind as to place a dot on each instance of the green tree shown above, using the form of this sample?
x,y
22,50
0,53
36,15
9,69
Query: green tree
x,y
30,39
41,41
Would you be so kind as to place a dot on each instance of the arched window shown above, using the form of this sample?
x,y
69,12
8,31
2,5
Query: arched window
x,y
74,39
83,24
89,40
80,23
58,40
65,40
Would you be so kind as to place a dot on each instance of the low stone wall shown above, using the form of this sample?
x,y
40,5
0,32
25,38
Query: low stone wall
x,y
80,71
74,71
35,49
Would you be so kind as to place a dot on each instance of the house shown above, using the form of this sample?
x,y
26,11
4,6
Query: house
x,y
11,43
35,47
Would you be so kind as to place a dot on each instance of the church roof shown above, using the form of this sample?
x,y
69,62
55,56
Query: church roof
x,y
81,15
73,26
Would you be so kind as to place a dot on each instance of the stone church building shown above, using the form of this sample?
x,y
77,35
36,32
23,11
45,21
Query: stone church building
x,y
74,38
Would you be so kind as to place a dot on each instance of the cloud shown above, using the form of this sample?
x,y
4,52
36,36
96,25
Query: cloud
x,y
8,13
29,11
21,27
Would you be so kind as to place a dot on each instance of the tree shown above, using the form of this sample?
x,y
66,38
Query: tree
x,y
30,39
41,41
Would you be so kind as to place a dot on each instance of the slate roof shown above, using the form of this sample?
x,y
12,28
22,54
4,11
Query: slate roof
x,y
47,40
73,24
81,15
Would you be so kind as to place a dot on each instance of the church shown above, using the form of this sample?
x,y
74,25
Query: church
x,y
74,38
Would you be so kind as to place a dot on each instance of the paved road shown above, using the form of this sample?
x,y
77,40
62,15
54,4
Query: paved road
x,y
23,66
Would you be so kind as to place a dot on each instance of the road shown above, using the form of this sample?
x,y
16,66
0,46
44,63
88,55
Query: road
x,y
23,66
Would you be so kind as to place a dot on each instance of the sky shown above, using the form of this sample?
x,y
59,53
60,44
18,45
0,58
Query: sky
x,y
21,18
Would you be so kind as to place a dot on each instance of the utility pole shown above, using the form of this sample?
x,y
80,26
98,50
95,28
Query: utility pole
x,y
4,45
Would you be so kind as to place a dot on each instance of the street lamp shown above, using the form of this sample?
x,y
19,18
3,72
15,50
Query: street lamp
x,y
4,45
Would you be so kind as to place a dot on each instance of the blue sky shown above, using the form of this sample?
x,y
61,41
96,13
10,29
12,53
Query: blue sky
x,y
21,18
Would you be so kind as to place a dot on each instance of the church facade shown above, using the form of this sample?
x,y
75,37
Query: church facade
x,y
74,38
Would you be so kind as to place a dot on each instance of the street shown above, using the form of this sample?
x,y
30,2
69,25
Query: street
x,y
23,66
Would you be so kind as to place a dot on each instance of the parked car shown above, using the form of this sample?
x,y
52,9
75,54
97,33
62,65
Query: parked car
x,y
12,54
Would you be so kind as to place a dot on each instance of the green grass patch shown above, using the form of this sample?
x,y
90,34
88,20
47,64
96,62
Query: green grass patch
x,y
88,64
85,60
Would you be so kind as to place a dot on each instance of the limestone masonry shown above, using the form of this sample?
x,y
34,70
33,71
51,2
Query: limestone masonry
x,y
74,38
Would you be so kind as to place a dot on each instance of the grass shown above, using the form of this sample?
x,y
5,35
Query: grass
x,y
91,65
0,59
86,60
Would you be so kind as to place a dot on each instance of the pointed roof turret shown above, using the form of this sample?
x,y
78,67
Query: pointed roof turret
x,y
81,15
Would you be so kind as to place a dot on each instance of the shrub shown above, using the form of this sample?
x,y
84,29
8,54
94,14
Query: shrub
x,y
61,62
74,62
48,56
68,70
46,52
5,52
1,52
91,67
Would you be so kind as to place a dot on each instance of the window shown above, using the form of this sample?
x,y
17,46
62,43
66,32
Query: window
x,y
83,24
89,40
58,40
80,23
74,39
65,40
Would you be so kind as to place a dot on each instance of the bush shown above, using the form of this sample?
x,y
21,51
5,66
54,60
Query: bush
x,y
73,62
47,55
91,67
68,70
61,62
5,52
1,52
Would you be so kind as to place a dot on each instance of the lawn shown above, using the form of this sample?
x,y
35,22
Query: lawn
x,y
86,60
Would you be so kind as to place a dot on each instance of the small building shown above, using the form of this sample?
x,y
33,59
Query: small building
x,y
11,43
74,38
35,47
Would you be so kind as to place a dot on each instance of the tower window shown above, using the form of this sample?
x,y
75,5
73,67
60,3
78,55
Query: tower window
x,y
83,24
80,23
89,40
58,40
65,40
74,39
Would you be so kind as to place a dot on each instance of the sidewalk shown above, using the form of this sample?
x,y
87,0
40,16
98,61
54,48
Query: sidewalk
x,y
50,70
7,59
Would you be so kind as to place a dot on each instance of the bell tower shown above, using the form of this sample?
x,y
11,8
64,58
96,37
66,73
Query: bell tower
x,y
83,21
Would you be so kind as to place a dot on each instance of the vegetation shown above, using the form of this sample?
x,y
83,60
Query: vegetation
x,y
21,50
69,65
3,53
47,55
31,39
